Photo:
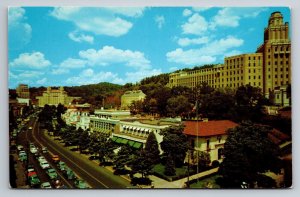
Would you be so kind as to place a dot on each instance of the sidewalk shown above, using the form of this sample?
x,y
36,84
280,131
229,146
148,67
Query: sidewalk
x,y
161,183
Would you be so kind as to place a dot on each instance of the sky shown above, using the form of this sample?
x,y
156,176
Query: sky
x,y
71,46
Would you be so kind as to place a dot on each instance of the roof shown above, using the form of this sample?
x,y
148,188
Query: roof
x,y
209,128
277,137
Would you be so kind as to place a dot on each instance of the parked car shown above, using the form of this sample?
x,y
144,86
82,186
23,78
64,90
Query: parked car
x,y
61,165
33,150
33,179
41,158
80,184
20,147
46,185
51,173
69,173
30,168
55,158
22,156
44,150
44,165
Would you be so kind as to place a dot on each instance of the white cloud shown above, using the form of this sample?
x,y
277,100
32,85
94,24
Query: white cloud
x,y
87,73
100,21
35,60
160,20
19,31
206,54
189,57
186,12
41,81
230,17
90,77
139,75
72,63
59,71
12,75
201,9
78,37
196,25
188,41
30,74
110,55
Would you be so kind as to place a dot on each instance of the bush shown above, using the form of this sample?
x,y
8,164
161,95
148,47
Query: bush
x,y
215,164
140,181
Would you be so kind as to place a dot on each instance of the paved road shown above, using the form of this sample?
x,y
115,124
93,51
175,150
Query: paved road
x,y
97,177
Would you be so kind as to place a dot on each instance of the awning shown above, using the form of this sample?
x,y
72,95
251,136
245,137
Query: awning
x,y
131,143
124,141
114,138
119,140
137,145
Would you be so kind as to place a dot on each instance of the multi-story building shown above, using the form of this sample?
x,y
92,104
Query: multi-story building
x,y
104,126
128,97
276,51
268,68
55,97
23,91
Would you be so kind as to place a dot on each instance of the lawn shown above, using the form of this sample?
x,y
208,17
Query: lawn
x,y
180,172
209,182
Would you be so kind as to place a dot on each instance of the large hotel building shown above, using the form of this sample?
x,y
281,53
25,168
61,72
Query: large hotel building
x,y
269,68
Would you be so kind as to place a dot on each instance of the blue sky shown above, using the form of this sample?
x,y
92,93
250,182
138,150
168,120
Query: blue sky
x,y
70,46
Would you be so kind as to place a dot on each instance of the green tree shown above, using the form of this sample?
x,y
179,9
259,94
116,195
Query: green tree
x,y
84,139
142,164
151,149
248,152
249,103
170,166
124,157
203,159
178,106
136,107
174,144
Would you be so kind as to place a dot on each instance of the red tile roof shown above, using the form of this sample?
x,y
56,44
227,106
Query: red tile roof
x,y
210,128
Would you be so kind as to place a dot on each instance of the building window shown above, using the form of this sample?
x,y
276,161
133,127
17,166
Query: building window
x,y
275,76
249,71
254,77
275,69
287,76
269,76
249,77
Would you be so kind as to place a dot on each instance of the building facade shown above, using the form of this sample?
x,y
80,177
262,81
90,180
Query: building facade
x,y
55,97
268,68
23,91
128,97
208,136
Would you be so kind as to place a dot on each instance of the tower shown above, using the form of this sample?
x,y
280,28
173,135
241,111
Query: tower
x,y
276,51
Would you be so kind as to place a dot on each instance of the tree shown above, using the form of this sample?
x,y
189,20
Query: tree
x,y
124,157
151,149
203,159
249,102
248,153
84,139
170,166
136,107
141,164
177,106
174,144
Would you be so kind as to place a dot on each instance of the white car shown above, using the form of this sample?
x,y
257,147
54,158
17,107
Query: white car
x,y
46,185
41,158
33,150
20,147
44,165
